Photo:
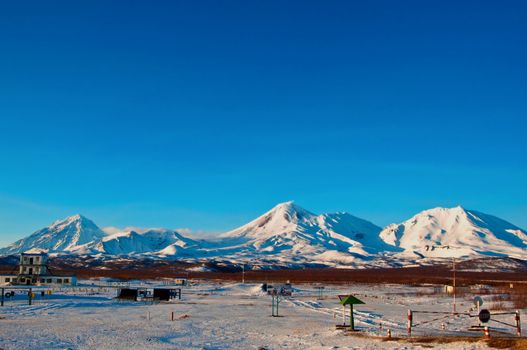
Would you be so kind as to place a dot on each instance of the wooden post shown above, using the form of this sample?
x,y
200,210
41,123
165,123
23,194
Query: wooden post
x,y
518,324
410,317
352,321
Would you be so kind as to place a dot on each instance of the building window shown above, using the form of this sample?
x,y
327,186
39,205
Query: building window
x,y
59,280
8,279
50,280
42,280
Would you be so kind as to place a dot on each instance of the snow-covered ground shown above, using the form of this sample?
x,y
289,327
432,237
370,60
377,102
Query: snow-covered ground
x,y
230,316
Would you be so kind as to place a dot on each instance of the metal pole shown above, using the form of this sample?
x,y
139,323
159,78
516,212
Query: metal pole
x,y
454,283
30,295
479,322
2,298
352,321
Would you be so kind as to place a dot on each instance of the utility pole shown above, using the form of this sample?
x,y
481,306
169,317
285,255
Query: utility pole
x,y
454,282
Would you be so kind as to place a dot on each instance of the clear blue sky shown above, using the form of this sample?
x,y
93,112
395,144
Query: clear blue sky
x,y
204,114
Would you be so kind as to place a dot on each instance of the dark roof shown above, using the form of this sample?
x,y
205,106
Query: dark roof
x,y
349,299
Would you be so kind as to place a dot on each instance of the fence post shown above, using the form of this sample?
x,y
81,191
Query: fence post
x,y
410,317
518,324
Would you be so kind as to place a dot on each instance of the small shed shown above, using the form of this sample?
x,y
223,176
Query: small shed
x,y
166,294
128,294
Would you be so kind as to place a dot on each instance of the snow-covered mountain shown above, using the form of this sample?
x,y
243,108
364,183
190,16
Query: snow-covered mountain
x,y
73,234
289,232
289,235
456,232
162,242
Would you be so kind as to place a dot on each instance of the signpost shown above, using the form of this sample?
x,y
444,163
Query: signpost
x,y
350,300
276,298
478,301
277,294
484,315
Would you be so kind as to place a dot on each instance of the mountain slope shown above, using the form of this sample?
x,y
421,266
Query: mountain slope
x,y
163,242
73,234
290,232
455,232
289,235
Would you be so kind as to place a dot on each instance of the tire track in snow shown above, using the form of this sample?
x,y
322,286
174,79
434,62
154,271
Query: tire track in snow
x,y
364,317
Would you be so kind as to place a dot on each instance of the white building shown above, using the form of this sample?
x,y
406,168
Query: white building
x,y
33,270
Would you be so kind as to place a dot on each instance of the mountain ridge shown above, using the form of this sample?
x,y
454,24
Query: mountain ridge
x,y
288,233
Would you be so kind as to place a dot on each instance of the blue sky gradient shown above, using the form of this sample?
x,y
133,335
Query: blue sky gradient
x,y
204,114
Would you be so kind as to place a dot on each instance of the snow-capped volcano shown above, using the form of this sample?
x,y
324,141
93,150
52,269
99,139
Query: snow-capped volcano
x,y
289,235
289,231
73,234
158,241
455,232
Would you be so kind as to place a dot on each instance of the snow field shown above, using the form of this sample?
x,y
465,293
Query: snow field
x,y
224,316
